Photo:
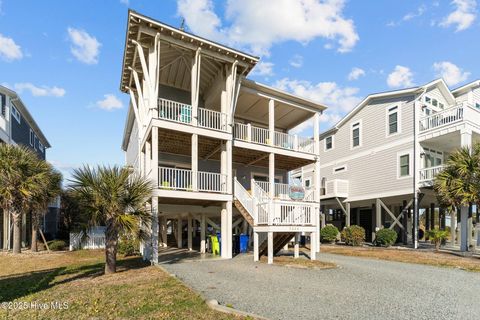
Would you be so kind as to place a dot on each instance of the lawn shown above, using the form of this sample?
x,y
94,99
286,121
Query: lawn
x,y
441,259
76,279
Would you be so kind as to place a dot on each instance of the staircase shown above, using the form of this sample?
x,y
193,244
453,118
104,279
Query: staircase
x,y
245,203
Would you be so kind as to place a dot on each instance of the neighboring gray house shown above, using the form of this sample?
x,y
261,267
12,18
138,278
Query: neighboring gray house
x,y
18,127
387,150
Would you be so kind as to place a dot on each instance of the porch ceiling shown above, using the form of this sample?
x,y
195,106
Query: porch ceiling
x,y
260,159
180,143
188,202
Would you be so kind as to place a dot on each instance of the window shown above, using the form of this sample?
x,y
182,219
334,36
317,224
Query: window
x,y
393,120
40,146
477,105
441,105
434,102
329,143
32,138
427,99
307,183
3,105
15,114
404,165
356,135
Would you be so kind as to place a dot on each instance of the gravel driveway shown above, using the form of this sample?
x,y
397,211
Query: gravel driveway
x,y
358,289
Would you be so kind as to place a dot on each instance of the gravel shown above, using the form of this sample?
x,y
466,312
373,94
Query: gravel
x,y
358,289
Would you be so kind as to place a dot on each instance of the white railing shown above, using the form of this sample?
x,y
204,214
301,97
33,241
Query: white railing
x,y
175,179
182,179
212,182
336,188
174,111
212,119
244,197
442,118
249,133
95,239
428,174
260,135
282,191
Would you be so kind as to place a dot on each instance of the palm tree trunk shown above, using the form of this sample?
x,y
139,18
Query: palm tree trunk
x,y
17,232
111,239
34,246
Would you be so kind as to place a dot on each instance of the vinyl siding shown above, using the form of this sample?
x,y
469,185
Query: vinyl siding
x,y
372,167
132,149
21,135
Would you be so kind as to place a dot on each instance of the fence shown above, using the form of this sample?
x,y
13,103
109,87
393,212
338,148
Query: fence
x,y
95,239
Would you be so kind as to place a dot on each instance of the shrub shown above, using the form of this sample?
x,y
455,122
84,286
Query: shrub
x,y
353,235
385,237
57,245
329,233
437,237
128,247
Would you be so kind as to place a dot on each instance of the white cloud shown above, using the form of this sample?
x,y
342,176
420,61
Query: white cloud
x,y
296,61
85,47
400,77
110,102
247,24
463,16
356,73
42,91
450,72
339,100
125,2
411,15
263,69
9,50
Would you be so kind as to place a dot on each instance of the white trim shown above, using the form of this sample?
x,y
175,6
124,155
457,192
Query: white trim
x,y
15,113
369,196
410,163
32,138
391,110
360,132
325,143
309,179
343,168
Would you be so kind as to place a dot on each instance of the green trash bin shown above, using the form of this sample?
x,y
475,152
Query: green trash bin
x,y
215,245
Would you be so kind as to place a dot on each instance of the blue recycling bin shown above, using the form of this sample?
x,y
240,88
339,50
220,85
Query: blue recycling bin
x,y
243,243
219,237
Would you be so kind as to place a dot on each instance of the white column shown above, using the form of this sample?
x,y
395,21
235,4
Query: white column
x,y
270,247
255,246
271,174
154,162
347,215
152,72
453,227
195,85
229,156
163,231
179,233
154,230
189,233
317,175
148,158
229,207
296,248
194,159
464,228
271,121
202,233
313,245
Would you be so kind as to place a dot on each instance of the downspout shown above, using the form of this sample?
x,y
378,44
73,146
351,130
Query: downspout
x,y
416,211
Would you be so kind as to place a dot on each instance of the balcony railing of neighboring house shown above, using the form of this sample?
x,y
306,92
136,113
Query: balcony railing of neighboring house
x,y
282,191
428,174
449,116
335,188
182,113
249,133
181,179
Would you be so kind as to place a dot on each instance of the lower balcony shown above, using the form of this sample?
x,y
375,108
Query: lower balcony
x,y
427,175
183,180
335,188
286,192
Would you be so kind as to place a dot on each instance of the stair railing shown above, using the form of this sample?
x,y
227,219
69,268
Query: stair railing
x,y
247,201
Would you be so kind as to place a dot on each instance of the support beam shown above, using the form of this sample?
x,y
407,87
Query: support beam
x,y
154,163
432,216
296,246
427,218
163,231
213,224
463,228
189,233
453,227
271,121
194,162
347,214
313,245
202,234
378,214
195,85
271,174
179,233
404,216
270,247
255,247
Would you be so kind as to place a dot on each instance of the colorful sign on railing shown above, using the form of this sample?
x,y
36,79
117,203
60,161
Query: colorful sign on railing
x,y
296,192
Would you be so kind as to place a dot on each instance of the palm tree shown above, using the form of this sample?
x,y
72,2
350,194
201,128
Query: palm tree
x,y
20,181
458,184
39,203
115,197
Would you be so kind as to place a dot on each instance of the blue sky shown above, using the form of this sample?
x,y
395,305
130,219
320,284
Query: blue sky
x,y
64,57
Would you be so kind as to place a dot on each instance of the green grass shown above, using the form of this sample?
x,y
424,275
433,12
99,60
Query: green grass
x,y
136,291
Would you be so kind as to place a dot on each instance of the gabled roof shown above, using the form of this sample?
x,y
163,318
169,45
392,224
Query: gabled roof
x,y
440,83
15,99
466,87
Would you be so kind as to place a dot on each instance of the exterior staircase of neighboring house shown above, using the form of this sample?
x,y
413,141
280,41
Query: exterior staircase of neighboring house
x,y
254,208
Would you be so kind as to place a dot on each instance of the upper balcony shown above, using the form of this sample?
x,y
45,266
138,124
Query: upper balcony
x,y
182,113
427,175
258,135
446,120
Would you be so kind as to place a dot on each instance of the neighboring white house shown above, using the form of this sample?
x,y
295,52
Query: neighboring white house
x,y
383,155
215,144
